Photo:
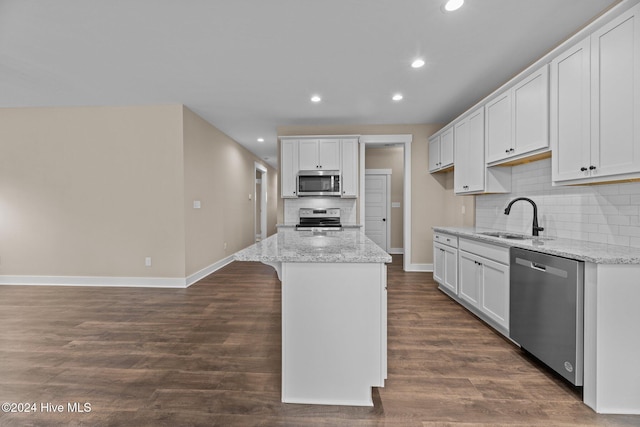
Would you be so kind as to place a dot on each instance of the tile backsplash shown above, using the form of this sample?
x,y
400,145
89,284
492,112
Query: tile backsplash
x,y
607,213
347,208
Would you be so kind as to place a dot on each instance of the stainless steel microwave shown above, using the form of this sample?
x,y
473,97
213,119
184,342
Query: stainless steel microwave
x,y
319,183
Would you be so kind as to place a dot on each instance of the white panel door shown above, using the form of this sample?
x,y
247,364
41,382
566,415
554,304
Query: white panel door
x,y
375,206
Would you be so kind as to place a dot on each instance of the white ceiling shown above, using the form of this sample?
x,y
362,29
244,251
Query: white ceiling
x,y
247,66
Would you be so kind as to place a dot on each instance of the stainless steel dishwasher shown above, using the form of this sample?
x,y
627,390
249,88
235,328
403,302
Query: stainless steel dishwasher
x,y
546,310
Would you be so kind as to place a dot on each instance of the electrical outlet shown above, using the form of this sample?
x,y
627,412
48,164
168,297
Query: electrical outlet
x,y
147,261
196,204
250,196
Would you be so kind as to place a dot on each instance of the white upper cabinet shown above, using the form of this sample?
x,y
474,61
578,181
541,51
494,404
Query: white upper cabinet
x,y
498,122
317,154
349,160
570,113
441,150
434,153
288,167
470,175
517,120
469,145
595,110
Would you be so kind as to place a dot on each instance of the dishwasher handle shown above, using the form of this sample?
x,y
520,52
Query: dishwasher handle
x,y
542,268
538,267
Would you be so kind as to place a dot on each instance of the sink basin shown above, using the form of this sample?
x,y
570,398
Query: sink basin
x,y
513,236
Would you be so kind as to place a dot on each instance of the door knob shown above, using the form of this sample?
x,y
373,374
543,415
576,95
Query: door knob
x,y
384,219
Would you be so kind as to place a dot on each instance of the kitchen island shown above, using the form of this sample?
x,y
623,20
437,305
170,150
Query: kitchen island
x,y
334,313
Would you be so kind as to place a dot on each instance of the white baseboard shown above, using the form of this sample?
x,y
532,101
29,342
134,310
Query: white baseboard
x,y
129,282
396,251
193,278
420,267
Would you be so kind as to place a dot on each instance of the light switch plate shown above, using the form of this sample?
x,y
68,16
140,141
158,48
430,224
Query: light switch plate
x,y
196,204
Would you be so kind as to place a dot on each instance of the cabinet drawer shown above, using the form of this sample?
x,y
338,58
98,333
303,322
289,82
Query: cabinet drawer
x,y
496,253
445,239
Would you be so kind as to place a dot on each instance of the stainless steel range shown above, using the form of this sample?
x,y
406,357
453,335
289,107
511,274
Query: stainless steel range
x,y
319,219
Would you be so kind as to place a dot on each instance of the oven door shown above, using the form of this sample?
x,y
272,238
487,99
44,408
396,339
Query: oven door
x,y
319,183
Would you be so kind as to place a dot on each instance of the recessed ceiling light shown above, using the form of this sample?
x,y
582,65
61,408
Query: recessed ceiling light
x,y
418,63
452,5
397,97
260,139
316,98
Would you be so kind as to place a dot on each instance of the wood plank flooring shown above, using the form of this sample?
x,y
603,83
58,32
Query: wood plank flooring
x,y
210,355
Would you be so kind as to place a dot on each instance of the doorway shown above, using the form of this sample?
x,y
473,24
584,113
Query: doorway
x,y
377,206
260,202
403,140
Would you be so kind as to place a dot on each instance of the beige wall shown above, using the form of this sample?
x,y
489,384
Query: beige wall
x,y
391,158
432,198
92,191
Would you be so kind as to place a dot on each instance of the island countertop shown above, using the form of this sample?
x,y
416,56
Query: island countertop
x,y
290,245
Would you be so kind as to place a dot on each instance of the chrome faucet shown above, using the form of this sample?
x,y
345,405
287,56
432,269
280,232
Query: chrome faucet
x,y
536,229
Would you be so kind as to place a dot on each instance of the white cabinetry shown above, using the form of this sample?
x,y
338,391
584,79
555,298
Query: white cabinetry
x,y
484,281
319,154
349,167
595,105
517,120
441,150
445,261
470,174
288,167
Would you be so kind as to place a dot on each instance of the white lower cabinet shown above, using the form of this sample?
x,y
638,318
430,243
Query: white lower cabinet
x,y
445,261
483,281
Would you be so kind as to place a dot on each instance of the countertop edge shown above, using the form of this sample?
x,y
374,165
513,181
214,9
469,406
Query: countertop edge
x,y
597,253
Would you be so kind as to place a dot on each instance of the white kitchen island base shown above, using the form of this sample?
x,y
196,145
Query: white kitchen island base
x,y
334,332
334,313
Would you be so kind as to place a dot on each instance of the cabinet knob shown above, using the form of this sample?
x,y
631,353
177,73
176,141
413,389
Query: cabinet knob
x,y
592,167
583,169
506,151
512,150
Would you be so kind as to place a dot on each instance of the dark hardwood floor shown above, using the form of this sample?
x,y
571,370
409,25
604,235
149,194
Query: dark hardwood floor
x,y
210,355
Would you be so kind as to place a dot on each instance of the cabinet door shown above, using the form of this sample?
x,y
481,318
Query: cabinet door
x,y
349,160
615,90
570,113
308,154
288,167
494,301
329,154
438,263
434,153
475,148
446,148
530,102
469,278
461,145
498,138
450,279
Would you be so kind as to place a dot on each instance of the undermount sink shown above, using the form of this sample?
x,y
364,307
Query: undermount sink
x,y
513,236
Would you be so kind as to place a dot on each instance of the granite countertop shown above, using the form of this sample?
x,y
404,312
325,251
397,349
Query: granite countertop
x,y
290,245
598,253
293,226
